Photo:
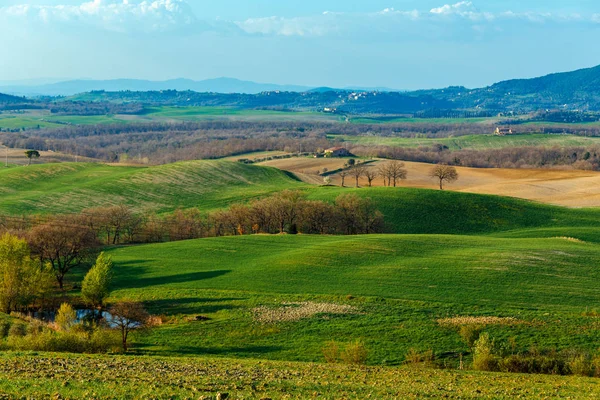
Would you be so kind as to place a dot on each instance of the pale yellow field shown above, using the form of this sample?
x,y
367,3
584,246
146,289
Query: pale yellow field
x,y
17,157
570,188
256,155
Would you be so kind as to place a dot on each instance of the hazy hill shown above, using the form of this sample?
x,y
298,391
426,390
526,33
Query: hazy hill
x,y
8,99
577,90
219,85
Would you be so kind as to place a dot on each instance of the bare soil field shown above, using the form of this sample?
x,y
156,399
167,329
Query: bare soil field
x,y
571,188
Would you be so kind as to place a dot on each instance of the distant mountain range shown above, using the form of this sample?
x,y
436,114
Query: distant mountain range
x,y
577,90
219,85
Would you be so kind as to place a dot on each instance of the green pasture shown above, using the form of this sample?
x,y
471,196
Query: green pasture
x,y
398,285
475,142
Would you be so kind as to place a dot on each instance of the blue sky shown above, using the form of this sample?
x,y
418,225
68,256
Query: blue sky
x,y
403,44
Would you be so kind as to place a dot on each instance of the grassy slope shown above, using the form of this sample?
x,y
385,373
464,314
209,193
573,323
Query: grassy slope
x,y
216,184
161,114
73,187
521,272
401,284
137,378
446,212
476,141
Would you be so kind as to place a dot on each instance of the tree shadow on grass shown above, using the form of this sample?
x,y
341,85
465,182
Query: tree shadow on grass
x,y
134,281
191,305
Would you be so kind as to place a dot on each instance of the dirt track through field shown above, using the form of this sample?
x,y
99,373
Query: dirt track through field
x,y
571,188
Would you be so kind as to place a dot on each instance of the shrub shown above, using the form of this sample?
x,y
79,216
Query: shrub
x,y
331,352
533,364
66,317
100,341
483,357
104,340
470,334
4,329
581,365
416,357
35,327
17,329
355,353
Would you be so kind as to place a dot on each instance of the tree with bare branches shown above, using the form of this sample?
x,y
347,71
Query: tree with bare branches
x,y
371,174
445,174
384,172
396,172
357,171
128,316
343,175
64,243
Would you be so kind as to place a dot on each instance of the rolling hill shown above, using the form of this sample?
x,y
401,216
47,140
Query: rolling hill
x,y
71,187
212,185
218,85
571,91
389,291
8,99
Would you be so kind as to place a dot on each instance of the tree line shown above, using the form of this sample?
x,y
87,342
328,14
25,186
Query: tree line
x,y
65,242
577,157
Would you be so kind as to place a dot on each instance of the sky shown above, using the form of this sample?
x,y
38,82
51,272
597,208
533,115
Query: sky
x,y
398,44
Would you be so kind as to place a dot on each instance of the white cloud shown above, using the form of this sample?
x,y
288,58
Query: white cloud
x,y
149,16
112,15
463,14
319,26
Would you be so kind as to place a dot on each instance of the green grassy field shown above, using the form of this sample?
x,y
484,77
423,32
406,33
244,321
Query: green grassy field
x,y
275,299
70,187
77,377
210,185
397,286
421,121
159,114
477,142
22,122
228,113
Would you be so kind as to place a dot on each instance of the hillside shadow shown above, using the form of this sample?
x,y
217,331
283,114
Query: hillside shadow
x,y
133,281
192,306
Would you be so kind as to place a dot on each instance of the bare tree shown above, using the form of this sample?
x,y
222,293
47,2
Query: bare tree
x,y
444,173
64,243
396,171
357,171
384,172
127,317
371,175
343,175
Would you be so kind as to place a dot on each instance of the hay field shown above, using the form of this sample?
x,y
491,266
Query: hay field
x,y
571,188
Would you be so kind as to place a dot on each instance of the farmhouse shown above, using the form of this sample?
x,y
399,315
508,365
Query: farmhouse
x,y
503,131
337,152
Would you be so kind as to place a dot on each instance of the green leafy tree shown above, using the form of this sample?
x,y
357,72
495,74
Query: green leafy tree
x,y
96,284
66,317
21,282
31,154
